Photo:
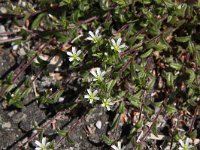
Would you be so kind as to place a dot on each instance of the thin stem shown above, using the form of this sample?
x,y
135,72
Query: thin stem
x,y
194,118
10,40
154,121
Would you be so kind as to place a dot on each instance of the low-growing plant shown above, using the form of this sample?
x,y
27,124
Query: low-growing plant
x,y
138,59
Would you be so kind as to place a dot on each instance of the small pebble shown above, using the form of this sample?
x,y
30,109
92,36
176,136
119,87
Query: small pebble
x,y
61,99
10,114
6,125
98,124
3,10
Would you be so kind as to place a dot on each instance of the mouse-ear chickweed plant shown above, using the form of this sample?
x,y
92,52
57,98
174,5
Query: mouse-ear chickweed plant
x,y
117,46
74,55
135,60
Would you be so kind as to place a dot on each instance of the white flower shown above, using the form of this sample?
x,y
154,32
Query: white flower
x,y
119,146
42,146
95,37
117,46
186,145
91,96
74,55
97,74
107,103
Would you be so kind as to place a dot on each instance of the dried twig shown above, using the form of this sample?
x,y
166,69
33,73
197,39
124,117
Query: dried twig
x,y
154,121
10,40
194,118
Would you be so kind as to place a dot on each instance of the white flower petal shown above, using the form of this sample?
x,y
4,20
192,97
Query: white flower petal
x,y
38,148
187,142
91,101
86,96
38,143
89,91
91,34
98,71
180,148
69,53
103,73
119,41
71,58
108,108
78,52
103,105
113,42
78,58
122,46
114,147
96,98
44,141
97,31
95,92
73,50
93,73
48,143
181,142
89,38
119,144
112,47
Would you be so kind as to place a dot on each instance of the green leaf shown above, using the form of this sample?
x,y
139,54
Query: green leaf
x,y
192,101
9,78
62,132
37,21
121,2
157,104
151,83
148,109
168,3
18,105
115,121
107,140
155,129
16,99
68,139
10,87
193,134
183,39
170,109
148,53
175,66
192,76
26,92
110,86
75,16
191,47
135,99
104,4
57,95
121,108
139,124
170,79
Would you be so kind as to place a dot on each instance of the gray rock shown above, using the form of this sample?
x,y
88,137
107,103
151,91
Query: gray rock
x,y
19,117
